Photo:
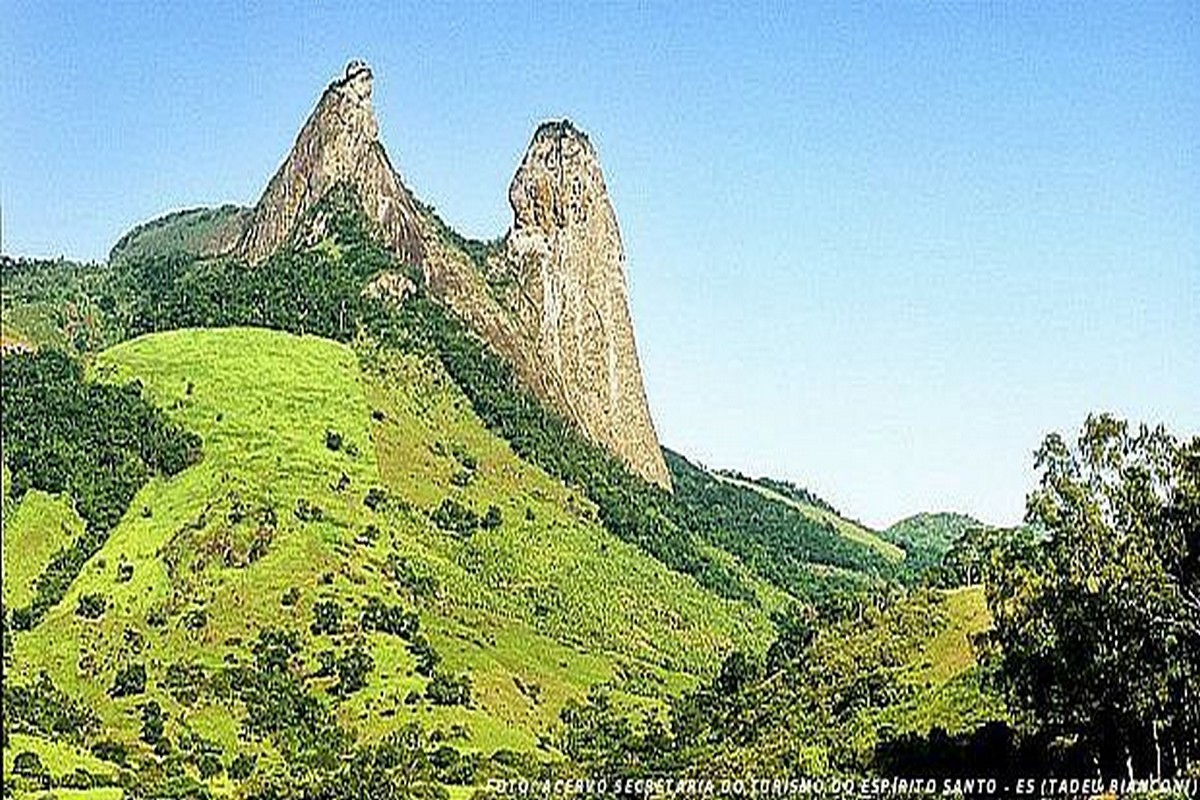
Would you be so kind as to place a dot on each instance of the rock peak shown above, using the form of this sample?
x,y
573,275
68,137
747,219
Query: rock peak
x,y
565,249
339,144
356,83
563,319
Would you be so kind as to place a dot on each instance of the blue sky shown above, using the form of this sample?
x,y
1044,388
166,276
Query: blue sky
x,y
878,249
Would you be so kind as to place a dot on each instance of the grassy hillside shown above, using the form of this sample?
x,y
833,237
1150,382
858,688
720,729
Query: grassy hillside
x,y
35,529
325,479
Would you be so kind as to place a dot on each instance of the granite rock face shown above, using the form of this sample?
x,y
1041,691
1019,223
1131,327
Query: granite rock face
x,y
562,319
338,144
568,264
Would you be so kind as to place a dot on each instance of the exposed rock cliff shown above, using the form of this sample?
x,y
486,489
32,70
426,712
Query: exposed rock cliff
x,y
338,143
565,251
563,320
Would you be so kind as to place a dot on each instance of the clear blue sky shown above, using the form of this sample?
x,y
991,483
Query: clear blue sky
x,y
879,250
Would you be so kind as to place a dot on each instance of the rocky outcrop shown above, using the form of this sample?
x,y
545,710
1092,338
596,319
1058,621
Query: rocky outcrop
x,y
338,144
562,316
571,301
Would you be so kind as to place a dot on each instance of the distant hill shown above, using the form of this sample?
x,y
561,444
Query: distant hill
x,y
927,537
193,232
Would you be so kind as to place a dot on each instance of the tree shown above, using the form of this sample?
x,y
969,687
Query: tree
x,y
1097,619
327,617
129,681
152,722
352,670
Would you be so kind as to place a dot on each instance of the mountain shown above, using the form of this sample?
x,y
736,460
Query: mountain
x,y
550,297
296,494
338,144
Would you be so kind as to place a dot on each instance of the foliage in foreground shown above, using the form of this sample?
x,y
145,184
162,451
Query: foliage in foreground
x,y
1097,621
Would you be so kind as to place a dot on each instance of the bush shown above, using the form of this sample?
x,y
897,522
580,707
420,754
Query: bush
x,y
308,512
129,681
492,519
327,617
108,750
152,722
454,517
390,619
352,669
28,764
375,498
427,657
241,767
448,690
209,766
333,440
91,606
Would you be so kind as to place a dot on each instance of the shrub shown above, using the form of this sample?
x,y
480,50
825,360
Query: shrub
x,y
492,519
241,767
333,440
91,606
327,617
352,670
454,517
427,657
152,722
209,766
390,619
28,764
308,512
108,750
375,498
449,690
184,682
129,681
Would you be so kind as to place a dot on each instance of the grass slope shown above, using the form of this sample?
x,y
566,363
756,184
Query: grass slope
x,y
535,611
34,530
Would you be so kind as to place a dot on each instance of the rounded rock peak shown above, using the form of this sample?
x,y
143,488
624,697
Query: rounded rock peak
x,y
559,129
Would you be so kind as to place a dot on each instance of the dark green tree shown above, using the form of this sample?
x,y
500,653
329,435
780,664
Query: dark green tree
x,y
1097,618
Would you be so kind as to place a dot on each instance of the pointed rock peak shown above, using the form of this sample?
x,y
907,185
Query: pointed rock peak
x,y
338,145
565,247
358,76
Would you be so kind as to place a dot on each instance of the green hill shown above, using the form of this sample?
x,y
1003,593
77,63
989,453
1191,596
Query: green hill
x,y
301,436
855,531
926,538
195,231
385,543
